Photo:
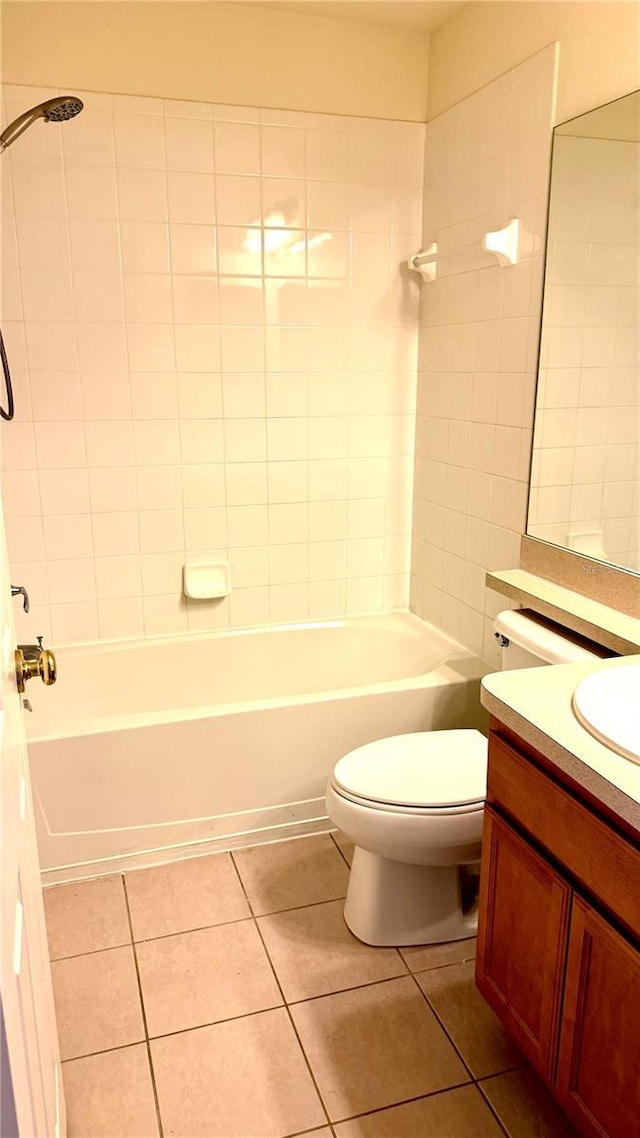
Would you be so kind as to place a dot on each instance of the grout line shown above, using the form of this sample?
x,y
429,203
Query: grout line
x,y
311,1132
476,1078
340,851
217,1022
352,988
442,1025
402,1102
105,1051
435,967
242,885
296,908
295,1030
490,1105
92,952
144,1015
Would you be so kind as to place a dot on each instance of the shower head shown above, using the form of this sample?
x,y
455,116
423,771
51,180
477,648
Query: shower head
x,y
60,109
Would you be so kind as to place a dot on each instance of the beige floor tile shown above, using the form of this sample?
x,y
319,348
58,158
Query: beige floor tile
x,y
425,956
525,1107
375,1046
314,953
109,1095
289,874
184,895
476,1031
201,977
246,1077
86,916
97,1002
461,1113
344,844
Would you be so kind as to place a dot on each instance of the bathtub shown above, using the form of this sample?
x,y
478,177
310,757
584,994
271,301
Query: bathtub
x,y
145,751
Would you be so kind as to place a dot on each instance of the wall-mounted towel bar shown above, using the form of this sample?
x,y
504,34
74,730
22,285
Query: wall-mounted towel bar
x,y
501,243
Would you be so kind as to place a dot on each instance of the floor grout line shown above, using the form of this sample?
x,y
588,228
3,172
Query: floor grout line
x,y
91,952
490,1105
476,1079
403,1102
439,1020
339,848
144,1015
290,1019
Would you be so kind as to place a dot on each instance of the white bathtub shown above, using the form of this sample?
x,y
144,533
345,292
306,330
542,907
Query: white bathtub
x,y
149,750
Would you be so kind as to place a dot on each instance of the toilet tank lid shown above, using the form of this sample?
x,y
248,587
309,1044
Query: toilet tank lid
x,y
542,641
421,768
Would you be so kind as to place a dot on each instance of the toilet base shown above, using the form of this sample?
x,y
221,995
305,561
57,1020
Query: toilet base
x,y
390,903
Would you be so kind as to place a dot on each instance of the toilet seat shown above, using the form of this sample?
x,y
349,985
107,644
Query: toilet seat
x,y
423,772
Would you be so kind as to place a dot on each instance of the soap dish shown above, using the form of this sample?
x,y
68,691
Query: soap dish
x,y
206,580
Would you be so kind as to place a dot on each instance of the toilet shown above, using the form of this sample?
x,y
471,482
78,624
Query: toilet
x,y
413,806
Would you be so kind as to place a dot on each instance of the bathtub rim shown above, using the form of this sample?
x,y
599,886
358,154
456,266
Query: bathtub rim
x,y
441,674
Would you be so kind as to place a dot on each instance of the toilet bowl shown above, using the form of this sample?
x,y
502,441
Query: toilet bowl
x,y
412,804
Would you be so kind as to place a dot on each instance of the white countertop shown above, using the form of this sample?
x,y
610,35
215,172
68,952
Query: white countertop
x,y
596,621
536,704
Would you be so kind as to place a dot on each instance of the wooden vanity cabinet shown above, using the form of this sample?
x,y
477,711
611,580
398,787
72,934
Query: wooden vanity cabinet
x,y
559,936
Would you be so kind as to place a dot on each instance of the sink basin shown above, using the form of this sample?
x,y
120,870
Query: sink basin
x,y
607,704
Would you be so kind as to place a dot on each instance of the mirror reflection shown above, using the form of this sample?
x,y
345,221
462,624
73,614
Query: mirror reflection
x,y
586,453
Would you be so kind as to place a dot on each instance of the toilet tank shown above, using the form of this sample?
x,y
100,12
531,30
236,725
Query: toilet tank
x,y
528,640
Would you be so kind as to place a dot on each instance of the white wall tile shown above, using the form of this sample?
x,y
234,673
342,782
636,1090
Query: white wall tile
x,y
477,348
60,444
201,369
237,148
139,141
63,491
115,533
112,488
189,145
67,536
145,247
109,443
193,248
118,576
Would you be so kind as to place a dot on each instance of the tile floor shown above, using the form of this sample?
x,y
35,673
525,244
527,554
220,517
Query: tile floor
x,y
223,997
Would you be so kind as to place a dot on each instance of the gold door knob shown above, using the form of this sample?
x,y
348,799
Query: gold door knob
x,y
34,660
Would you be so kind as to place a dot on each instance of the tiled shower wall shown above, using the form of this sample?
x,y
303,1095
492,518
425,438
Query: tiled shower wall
x,y
214,353
487,160
585,470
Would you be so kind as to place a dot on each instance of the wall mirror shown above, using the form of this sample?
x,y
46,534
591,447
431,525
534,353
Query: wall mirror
x,y
586,447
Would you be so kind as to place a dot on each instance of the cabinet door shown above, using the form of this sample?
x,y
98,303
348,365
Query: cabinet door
x,y
522,936
599,1059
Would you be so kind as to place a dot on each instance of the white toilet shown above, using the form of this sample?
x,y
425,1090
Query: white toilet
x,y
413,805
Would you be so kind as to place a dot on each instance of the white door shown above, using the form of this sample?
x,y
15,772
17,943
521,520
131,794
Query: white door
x,y
33,1078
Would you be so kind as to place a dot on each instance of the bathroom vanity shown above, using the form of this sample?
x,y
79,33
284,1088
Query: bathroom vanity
x,y
559,931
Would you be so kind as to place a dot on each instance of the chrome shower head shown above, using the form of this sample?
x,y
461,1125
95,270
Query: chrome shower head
x,y
60,109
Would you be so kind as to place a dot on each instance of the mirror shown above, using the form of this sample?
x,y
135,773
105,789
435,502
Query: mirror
x,y
586,455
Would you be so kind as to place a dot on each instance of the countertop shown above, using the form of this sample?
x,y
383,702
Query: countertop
x,y
535,703
605,625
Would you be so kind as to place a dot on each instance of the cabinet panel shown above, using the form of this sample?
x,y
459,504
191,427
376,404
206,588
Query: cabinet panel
x,y
522,935
605,863
599,1058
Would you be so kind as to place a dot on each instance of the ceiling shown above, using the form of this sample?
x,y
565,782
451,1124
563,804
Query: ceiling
x,y
423,15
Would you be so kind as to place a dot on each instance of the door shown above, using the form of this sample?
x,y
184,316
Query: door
x,y
522,938
599,1060
32,1085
